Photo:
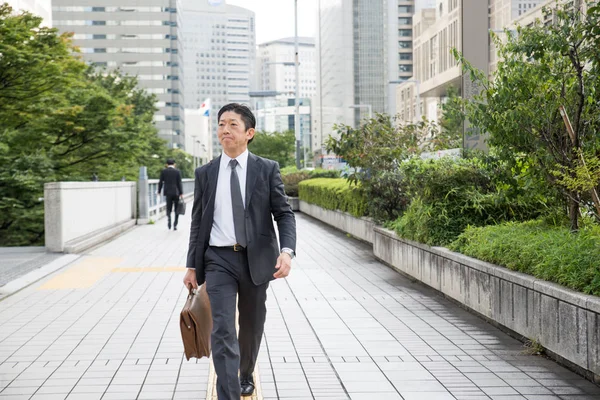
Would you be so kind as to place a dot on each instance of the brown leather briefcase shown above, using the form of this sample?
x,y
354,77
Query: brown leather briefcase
x,y
196,324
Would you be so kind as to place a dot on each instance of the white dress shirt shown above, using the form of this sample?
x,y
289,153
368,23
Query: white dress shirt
x,y
223,230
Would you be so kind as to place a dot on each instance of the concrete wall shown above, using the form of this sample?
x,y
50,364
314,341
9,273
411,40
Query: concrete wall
x,y
360,228
563,321
76,210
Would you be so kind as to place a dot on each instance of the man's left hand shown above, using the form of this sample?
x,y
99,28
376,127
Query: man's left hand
x,y
284,265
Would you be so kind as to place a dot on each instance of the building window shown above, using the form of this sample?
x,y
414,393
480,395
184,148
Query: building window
x,y
405,44
405,9
405,68
405,21
405,32
406,56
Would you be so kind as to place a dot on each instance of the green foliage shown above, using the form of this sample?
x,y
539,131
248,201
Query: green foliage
x,y
582,178
291,181
542,68
292,177
277,146
377,145
451,122
156,162
387,194
334,194
61,121
552,253
447,195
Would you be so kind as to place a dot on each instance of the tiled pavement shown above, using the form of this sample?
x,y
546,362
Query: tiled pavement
x,y
17,261
342,326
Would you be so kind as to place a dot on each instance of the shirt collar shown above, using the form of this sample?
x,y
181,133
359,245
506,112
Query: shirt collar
x,y
242,160
170,166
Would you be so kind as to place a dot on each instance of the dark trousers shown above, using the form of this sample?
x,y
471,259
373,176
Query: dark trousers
x,y
172,201
228,276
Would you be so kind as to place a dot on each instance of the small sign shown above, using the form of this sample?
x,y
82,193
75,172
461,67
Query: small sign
x,y
215,3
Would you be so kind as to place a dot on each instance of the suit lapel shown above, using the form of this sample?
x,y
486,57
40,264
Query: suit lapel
x,y
254,167
211,187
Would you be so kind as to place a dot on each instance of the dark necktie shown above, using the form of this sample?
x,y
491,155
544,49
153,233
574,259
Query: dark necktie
x,y
238,205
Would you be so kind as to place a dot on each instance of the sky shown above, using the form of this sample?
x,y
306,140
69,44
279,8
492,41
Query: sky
x,y
275,18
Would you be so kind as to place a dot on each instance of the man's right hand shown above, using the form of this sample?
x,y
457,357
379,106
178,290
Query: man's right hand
x,y
190,279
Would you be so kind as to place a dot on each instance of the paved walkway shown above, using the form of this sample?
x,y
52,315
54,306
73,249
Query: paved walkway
x,y
342,326
17,261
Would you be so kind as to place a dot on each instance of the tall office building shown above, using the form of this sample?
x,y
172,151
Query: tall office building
x,y
41,8
275,69
458,24
141,40
276,84
219,56
362,45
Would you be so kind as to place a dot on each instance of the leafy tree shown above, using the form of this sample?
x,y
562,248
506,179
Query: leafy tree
x,y
546,69
451,122
278,146
61,121
379,145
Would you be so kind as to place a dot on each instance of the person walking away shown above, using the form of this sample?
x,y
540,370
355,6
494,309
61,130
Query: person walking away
x,y
170,178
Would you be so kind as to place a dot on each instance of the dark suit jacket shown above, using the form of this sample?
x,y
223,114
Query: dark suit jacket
x,y
264,197
171,179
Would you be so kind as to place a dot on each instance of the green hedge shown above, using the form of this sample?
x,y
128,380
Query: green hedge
x,y
292,177
334,194
547,252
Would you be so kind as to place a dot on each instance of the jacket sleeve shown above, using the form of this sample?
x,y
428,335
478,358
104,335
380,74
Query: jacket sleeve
x,y
161,180
282,211
196,218
179,183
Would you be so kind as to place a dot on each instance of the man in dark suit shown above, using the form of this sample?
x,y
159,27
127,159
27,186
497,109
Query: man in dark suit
x,y
170,177
234,249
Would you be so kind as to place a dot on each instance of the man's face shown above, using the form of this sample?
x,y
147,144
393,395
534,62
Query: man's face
x,y
233,134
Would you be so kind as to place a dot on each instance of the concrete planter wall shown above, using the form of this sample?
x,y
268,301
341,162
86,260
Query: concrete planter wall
x,y
294,203
563,321
78,215
360,228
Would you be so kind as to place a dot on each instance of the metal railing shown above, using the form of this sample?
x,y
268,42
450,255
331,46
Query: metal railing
x,y
157,204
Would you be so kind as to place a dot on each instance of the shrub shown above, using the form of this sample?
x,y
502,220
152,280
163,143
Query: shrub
x,y
292,177
291,181
324,173
447,195
545,251
334,194
387,196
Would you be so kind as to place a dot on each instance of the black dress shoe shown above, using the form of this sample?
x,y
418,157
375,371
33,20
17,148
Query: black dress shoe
x,y
175,228
247,386
169,224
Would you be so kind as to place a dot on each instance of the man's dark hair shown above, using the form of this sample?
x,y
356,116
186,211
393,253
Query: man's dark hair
x,y
170,161
246,114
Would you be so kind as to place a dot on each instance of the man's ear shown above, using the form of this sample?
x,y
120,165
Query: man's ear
x,y
250,133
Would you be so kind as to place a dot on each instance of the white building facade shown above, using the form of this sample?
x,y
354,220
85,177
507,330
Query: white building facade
x,y
364,49
219,56
502,15
276,74
275,69
140,40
